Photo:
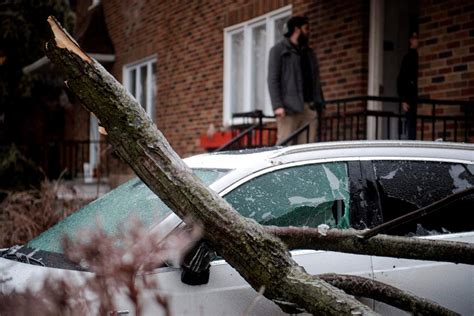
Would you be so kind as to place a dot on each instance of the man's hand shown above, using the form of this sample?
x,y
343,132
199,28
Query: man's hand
x,y
280,112
405,106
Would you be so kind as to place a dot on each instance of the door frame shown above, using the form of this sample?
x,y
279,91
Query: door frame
x,y
375,62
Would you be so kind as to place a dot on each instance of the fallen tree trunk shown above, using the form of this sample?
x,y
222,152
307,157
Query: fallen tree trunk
x,y
260,257
241,241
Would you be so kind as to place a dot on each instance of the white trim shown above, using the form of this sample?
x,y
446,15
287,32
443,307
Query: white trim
x,y
94,4
94,149
36,65
247,99
226,117
271,14
141,60
149,91
375,79
43,61
248,85
103,58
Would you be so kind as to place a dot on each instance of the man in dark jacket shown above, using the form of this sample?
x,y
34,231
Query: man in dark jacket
x,y
293,81
407,85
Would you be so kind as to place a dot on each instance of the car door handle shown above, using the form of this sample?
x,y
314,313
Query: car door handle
x,y
118,313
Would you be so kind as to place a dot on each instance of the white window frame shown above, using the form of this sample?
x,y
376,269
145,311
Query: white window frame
x,y
151,91
268,20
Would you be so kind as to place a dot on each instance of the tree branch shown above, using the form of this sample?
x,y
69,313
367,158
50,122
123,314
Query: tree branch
x,y
388,294
382,245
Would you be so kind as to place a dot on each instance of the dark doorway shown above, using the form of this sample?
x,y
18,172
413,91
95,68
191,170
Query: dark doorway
x,y
400,19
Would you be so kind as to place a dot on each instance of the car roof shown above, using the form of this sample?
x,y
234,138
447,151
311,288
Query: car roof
x,y
247,163
327,150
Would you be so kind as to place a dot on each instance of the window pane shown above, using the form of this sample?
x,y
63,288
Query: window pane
x,y
143,85
237,73
132,82
131,200
300,196
209,176
279,29
405,186
153,88
258,67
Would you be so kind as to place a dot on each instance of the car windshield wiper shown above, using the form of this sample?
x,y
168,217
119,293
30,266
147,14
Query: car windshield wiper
x,y
13,253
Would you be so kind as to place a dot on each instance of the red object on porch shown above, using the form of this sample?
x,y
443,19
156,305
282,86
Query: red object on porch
x,y
220,138
216,140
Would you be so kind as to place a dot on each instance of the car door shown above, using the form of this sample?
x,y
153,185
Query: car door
x,y
405,186
302,194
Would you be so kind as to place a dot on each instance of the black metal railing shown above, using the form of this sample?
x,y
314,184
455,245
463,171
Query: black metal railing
x,y
251,132
67,158
450,120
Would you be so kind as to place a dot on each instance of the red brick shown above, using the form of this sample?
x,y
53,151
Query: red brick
x,y
457,44
443,70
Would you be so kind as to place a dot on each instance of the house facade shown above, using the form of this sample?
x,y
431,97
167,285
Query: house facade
x,y
193,64
208,58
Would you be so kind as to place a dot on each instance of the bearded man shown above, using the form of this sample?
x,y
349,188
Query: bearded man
x,y
294,83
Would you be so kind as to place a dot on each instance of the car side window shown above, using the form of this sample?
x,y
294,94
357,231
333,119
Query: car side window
x,y
405,186
307,195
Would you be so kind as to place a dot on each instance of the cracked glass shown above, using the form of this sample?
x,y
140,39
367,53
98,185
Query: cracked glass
x,y
307,195
405,186
114,210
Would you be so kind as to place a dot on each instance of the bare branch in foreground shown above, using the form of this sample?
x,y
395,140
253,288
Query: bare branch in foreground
x,y
121,263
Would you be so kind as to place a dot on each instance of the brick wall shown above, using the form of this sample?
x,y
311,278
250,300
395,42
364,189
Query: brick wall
x,y
447,49
341,34
446,58
188,40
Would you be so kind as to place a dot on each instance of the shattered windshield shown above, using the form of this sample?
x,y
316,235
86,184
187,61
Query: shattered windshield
x,y
131,199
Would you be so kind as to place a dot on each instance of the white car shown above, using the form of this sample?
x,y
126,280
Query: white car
x,y
356,184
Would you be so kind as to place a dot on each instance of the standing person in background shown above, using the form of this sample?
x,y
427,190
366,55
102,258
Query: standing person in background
x,y
293,81
407,85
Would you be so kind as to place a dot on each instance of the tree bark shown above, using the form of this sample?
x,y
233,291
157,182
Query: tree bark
x,y
381,245
262,259
382,292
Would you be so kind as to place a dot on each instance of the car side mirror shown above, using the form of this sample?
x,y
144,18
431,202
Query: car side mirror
x,y
196,265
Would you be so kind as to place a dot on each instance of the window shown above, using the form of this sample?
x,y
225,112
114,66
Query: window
x,y
140,81
405,186
246,49
307,195
131,200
